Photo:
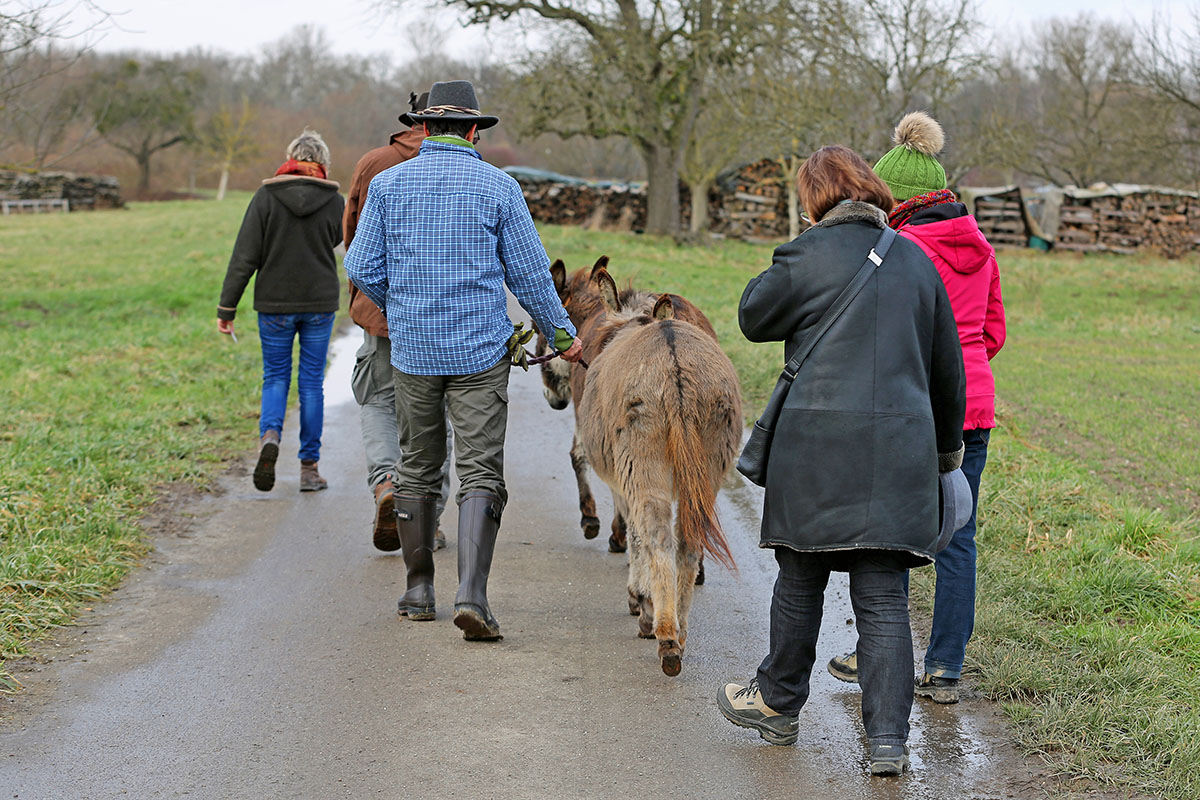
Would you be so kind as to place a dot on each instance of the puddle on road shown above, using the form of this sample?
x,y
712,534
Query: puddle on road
x,y
340,366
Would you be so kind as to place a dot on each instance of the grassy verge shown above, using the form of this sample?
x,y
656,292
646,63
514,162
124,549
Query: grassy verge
x,y
114,384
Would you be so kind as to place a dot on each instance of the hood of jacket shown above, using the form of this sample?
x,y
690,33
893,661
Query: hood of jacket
x,y
300,194
956,240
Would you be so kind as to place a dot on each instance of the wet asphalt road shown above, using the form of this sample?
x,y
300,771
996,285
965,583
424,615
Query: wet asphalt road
x,y
258,655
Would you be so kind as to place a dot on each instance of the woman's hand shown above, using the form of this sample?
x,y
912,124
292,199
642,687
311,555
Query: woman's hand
x,y
574,352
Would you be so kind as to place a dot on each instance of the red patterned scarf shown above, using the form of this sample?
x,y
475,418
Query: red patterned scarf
x,y
903,212
309,169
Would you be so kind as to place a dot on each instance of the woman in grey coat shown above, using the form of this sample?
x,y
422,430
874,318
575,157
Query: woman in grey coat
x,y
873,416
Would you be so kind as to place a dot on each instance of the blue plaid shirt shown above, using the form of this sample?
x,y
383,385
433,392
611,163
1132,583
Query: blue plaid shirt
x,y
438,238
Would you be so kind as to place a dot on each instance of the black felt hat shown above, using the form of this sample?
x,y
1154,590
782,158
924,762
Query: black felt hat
x,y
453,100
418,104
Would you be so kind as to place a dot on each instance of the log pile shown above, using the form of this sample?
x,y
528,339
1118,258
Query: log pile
x,y
1001,218
83,192
1127,220
599,205
750,202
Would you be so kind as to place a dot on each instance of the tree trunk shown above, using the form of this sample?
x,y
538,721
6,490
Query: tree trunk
x,y
699,221
143,162
793,198
662,190
224,184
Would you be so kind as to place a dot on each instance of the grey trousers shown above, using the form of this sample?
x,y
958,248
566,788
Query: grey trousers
x,y
375,391
477,407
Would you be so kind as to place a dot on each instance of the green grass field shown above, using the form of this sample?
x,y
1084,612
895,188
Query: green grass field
x,y
115,386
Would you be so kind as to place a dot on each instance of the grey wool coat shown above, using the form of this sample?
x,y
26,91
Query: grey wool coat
x,y
876,410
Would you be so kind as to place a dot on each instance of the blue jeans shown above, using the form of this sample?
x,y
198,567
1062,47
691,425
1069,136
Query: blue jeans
x,y
880,602
277,331
954,597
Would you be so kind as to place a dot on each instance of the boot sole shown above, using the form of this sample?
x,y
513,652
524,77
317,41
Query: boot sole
x,y
417,614
889,769
474,627
264,470
386,534
939,696
768,735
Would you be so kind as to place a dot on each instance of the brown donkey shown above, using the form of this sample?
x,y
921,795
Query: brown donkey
x,y
563,382
660,418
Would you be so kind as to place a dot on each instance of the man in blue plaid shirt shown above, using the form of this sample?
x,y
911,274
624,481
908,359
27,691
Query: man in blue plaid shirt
x,y
438,239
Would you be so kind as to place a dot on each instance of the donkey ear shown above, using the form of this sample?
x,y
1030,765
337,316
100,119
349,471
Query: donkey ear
x,y
558,272
601,263
664,308
607,288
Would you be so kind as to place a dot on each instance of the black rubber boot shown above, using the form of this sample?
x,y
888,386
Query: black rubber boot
x,y
416,518
478,524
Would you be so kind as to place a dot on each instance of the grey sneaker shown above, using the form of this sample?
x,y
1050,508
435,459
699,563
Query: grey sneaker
x,y
744,706
939,690
845,668
889,759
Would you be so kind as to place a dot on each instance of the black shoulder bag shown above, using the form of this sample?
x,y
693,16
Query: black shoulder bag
x,y
753,461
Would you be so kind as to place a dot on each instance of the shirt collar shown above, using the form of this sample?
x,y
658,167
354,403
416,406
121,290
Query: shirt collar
x,y
430,145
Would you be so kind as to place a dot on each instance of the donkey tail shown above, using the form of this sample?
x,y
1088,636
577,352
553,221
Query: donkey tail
x,y
698,523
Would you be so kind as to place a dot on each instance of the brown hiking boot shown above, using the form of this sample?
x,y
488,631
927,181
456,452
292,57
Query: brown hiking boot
x,y
386,534
310,479
264,470
439,540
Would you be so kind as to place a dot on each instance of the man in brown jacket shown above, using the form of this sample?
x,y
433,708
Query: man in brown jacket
x,y
372,381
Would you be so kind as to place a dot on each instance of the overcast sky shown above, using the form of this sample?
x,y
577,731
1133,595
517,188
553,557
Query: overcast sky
x,y
358,26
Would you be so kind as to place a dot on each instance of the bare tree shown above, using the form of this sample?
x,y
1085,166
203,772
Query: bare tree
x,y
227,137
636,70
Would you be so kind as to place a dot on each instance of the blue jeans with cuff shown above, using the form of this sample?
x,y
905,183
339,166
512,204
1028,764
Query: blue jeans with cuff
x,y
277,332
954,596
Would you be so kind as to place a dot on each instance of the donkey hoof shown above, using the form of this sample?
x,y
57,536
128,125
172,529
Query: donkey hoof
x,y
591,527
670,655
614,546
646,628
635,605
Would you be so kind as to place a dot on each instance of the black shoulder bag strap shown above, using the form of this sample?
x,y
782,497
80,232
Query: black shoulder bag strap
x,y
753,461
874,259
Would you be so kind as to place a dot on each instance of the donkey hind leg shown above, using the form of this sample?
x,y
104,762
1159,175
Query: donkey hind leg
x,y
650,519
688,564
587,503
619,539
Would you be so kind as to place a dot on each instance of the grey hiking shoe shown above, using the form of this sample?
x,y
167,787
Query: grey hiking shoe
x,y
889,759
845,668
939,690
744,706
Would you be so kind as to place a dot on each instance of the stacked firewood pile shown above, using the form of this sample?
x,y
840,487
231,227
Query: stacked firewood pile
x,y
1001,215
1128,220
750,202
562,200
83,192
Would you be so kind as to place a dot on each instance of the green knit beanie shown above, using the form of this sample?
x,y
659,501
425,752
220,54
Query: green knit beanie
x,y
909,168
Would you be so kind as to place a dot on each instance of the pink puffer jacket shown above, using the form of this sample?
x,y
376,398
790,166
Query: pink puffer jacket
x,y
967,264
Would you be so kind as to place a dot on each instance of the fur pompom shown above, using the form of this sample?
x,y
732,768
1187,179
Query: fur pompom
x,y
920,132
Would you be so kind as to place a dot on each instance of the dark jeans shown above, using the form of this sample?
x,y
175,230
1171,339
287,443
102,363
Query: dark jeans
x,y
477,406
954,597
277,332
884,638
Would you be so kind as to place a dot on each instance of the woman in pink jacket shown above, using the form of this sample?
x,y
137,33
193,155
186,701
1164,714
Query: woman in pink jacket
x,y
928,214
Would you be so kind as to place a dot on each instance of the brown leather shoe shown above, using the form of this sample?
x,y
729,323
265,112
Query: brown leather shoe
x,y
264,470
386,534
310,479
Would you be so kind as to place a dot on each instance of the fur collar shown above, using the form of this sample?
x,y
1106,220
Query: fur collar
x,y
854,211
288,178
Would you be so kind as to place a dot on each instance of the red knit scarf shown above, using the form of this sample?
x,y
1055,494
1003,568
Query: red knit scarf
x,y
903,212
309,169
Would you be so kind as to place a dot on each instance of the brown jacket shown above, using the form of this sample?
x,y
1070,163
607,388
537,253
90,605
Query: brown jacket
x,y
403,146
